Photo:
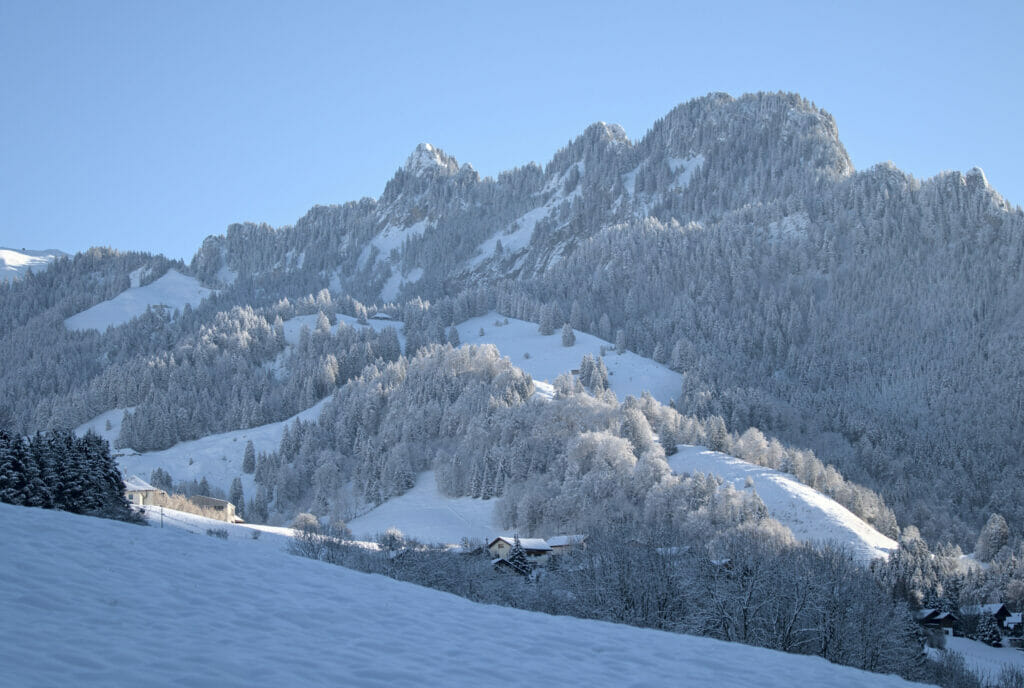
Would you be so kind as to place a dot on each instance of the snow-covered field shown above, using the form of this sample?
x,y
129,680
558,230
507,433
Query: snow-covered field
x,y
172,291
14,264
87,602
427,515
984,660
216,457
628,374
811,515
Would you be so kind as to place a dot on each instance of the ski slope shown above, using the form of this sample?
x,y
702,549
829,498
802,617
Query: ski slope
x,y
14,264
812,516
89,602
429,516
172,291
628,373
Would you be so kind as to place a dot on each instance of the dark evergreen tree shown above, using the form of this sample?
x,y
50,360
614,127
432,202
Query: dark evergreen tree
x,y
249,460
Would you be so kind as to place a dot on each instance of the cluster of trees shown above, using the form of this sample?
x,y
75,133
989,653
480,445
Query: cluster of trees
x,y
58,470
568,463
944,579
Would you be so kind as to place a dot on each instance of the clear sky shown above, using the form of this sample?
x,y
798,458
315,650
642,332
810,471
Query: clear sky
x,y
150,125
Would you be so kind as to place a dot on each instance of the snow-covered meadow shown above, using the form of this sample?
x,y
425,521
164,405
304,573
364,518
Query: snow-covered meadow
x,y
89,602
172,291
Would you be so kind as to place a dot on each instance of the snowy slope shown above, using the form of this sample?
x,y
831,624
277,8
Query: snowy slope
x,y
99,425
811,515
14,264
628,374
983,660
217,457
88,602
172,291
429,516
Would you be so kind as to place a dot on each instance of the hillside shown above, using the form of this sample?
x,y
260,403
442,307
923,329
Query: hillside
x,y
171,291
14,263
103,603
810,515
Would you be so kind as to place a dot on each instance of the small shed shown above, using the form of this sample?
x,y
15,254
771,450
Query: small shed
x,y
225,510
139,492
537,549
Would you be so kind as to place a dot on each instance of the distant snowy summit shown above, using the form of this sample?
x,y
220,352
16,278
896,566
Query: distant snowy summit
x,y
14,263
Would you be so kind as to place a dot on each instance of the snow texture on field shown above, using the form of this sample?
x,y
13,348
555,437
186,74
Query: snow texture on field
x,y
171,291
276,537
628,373
14,264
812,516
985,661
429,516
218,458
88,602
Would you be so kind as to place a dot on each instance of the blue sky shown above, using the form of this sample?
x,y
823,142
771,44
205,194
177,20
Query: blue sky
x,y
146,125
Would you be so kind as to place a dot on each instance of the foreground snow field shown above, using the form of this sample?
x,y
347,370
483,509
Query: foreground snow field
x,y
88,602
810,515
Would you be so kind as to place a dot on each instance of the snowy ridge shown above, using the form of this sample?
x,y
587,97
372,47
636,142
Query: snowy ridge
x,y
172,291
106,603
810,515
14,264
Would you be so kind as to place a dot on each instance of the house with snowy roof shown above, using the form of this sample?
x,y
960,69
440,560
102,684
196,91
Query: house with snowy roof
x,y
537,550
936,618
139,492
996,609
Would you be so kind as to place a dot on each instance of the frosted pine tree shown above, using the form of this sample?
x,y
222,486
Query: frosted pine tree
x,y
568,336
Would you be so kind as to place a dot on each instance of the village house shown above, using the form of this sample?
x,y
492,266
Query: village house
x,y
997,609
936,618
537,550
141,493
225,510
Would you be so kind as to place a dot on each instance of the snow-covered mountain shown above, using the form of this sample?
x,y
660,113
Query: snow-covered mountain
x,y
869,316
94,602
15,263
